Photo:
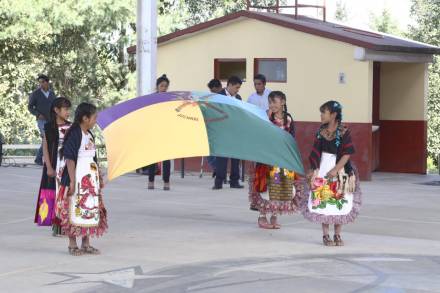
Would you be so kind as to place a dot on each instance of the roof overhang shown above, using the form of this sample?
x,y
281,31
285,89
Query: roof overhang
x,y
363,54
359,38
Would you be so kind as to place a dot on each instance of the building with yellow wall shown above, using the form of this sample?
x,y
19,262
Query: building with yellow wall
x,y
380,80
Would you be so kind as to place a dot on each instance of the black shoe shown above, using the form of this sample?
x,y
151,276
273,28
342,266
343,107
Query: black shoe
x,y
253,208
213,174
237,185
215,187
39,163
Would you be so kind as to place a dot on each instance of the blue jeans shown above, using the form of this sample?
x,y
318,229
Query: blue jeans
x,y
39,157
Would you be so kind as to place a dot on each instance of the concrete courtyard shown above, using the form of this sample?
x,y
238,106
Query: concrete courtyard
x,y
193,239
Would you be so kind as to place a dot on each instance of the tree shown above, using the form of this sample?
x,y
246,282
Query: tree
x,y
178,14
384,23
341,11
81,45
426,14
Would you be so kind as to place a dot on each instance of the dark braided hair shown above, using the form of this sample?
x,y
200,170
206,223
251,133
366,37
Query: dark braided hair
x,y
83,110
60,102
333,107
282,96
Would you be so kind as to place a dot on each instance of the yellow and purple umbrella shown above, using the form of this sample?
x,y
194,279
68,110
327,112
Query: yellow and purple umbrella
x,y
165,126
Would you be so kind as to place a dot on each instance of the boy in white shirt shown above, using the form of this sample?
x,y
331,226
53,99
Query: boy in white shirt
x,y
260,97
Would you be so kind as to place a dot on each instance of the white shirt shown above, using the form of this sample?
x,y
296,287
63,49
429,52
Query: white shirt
x,y
228,94
262,101
45,93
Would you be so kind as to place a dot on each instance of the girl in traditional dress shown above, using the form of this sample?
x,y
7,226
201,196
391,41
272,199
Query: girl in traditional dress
x,y
83,213
47,210
284,186
162,84
335,196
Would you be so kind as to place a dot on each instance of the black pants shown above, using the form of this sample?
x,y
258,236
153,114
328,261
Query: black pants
x,y
166,170
220,171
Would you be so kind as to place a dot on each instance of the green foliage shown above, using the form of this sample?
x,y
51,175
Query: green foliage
x,y
427,29
341,11
178,14
384,23
81,45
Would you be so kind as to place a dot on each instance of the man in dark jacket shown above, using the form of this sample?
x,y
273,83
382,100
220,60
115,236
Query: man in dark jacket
x,y
231,90
40,102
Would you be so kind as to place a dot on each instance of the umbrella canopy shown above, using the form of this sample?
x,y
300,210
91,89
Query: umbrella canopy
x,y
165,126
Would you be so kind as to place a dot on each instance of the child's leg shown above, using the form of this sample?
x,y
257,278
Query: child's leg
x,y
166,171
151,174
87,248
338,229
73,247
337,238
326,238
274,221
325,229
262,221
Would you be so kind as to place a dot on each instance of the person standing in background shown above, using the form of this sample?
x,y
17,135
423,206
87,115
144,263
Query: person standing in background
x,y
215,87
231,90
261,95
40,102
260,99
162,84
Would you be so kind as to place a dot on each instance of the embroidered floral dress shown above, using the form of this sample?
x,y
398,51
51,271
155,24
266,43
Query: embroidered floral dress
x,y
83,213
46,203
273,189
332,200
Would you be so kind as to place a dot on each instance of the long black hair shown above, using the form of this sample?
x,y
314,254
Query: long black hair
x,y
161,79
83,110
282,96
60,102
333,107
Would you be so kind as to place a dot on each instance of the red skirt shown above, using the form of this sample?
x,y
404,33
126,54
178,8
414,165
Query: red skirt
x,y
72,230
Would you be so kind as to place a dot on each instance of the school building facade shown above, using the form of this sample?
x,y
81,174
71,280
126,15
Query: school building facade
x,y
381,80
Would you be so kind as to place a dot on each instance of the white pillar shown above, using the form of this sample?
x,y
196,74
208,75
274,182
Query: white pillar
x,y
146,49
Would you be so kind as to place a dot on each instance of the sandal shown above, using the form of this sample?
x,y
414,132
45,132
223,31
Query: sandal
x,y
263,224
327,240
274,222
338,240
150,185
75,251
90,250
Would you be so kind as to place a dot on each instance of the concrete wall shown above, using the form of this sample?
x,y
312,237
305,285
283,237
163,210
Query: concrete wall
x,y
313,66
403,126
403,91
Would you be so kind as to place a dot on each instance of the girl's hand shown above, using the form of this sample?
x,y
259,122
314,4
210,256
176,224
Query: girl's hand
x,y
309,176
71,189
51,172
332,173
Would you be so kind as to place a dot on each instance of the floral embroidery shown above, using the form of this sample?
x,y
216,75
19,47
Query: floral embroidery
x,y
325,192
